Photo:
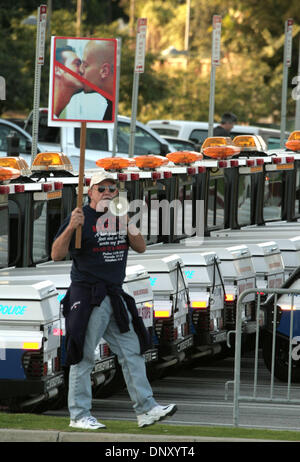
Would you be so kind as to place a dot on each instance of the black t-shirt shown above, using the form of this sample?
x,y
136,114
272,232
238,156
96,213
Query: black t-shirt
x,y
103,252
108,112
220,131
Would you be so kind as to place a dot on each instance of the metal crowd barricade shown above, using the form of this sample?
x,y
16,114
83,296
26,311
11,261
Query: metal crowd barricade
x,y
238,396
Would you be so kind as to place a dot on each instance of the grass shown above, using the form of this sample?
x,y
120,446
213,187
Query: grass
x,y
43,422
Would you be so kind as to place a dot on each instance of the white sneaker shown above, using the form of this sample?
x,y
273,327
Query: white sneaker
x,y
87,422
155,414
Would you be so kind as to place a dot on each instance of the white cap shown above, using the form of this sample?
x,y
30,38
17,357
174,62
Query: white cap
x,y
101,176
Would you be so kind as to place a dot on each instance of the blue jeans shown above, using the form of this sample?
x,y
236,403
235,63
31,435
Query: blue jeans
x,y
126,346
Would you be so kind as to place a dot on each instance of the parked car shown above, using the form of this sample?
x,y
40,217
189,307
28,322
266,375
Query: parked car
x,y
17,121
198,131
25,139
181,144
99,141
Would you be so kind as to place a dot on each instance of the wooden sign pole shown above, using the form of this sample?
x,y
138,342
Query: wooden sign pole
x,y
80,180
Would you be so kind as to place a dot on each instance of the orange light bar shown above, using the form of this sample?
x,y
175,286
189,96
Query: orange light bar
x,y
295,135
31,346
17,163
247,142
293,142
51,161
184,157
115,163
221,152
150,161
162,314
216,141
8,173
293,145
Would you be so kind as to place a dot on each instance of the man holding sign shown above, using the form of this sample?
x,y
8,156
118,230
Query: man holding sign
x,y
96,306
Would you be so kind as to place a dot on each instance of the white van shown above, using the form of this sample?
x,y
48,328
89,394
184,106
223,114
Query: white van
x,y
198,131
99,141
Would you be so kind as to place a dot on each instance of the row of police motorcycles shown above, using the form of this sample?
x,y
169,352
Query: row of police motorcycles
x,y
186,288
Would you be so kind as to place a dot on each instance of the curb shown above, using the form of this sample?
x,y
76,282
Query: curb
x,y
53,436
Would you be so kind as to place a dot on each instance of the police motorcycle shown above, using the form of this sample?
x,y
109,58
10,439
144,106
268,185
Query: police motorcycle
x,y
282,330
30,342
6,175
277,226
32,211
254,187
35,211
171,330
276,265
281,334
282,183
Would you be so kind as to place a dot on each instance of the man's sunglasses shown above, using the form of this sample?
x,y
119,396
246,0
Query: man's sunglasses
x,y
111,189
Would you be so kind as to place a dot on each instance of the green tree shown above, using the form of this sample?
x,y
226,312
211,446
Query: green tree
x,y
247,82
